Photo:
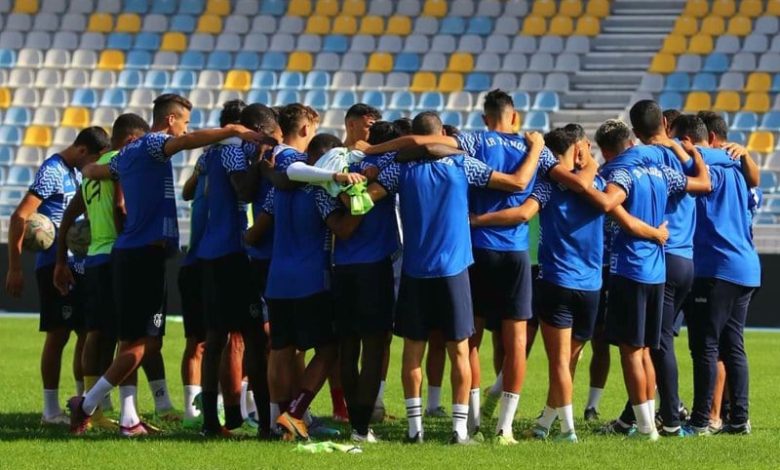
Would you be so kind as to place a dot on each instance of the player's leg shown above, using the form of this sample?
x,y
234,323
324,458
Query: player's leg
x,y
718,396
732,349
459,353
434,374
411,379
474,343
256,338
230,377
557,344
337,400
78,360
600,360
154,369
189,282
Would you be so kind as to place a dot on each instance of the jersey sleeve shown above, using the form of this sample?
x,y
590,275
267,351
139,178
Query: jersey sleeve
x,y
389,177
469,141
268,202
477,172
233,159
622,178
542,191
47,182
155,145
286,158
326,204
547,161
675,181
201,164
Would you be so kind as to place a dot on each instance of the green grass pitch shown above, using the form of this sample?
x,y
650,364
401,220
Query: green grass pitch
x,y
24,444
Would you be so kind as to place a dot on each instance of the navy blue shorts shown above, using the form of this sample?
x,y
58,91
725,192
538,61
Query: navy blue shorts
x,y
679,279
258,278
439,303
533,322
635,313
501,286
226,293
364,297
601,316
59,311
139,291
100,312
567,308
305,323
192,306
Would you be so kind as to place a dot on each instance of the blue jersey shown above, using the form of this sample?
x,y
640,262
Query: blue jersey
x,y
571,241
55,185
199,212
647,190
146,175
723,245
226,220
262,250
434,212
504,153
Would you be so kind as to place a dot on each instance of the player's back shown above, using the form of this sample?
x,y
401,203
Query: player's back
x,y
100,200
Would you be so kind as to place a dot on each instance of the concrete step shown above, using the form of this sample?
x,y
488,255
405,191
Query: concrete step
x,y
625,24
595,100
617,61
617,42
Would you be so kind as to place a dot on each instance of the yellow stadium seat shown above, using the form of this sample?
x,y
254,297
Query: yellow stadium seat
x,y
75,117
758,81
423,81
773,8
713,25
724,8
353,8
698,101
674,44
461,62
318,25
544,8
128,23
218,7
345,25
37,136
728,101
598,8
751,8
372,25
696,8
300,62
686,26
111,60
100,23
450,81
299,8
437,8
176,42
380,62
700,44
761,141
26,6
211,24
399,25
588,26
5,98
663,63
561,26
758,102
572,8
238,80
326,8
534,26
740,26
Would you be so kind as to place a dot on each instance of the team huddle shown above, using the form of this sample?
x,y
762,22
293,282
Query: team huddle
x,y
299,242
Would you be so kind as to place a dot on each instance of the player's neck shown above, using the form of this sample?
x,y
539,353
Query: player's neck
x,y
295,142
160,128
502,127
69,156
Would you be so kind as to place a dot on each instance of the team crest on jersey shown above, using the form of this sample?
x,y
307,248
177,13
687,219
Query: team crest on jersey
x,y
67,312
157,320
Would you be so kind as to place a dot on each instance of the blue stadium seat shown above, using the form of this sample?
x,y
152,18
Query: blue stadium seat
x,y
178,159
402,100
6,155
317,80
317,99
147,41
477,82
768,182
3,174
276,61
454,25
704,82
744,121
114,97
765,219
192,60
184,79
522,100
129,79
192,7
737,136
137,6
290,80
546,101
247,60
264,80
18,116
157,79
273,7
259,96
182,23
164,7
138,59
344,99
670,100
716,62
453,118
431,100
197,118
20,176
474,121
480,25
287,97
219,60
392,115
84,97
678,81
772,206
537,120
335,43
407,62
10,135
776,83
771,121
121,41
375,98
7,58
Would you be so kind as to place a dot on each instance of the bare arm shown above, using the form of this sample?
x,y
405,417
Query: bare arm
x,y
120,211
519,180
188,190
206,137
638,228
63,277
671,144
342,224
409,141
263,223
510,216
750,169
700,182
579,181
427,152
376,191
608,199
95,171
14,282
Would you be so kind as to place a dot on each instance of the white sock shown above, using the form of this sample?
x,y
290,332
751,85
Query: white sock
x,y
79,388
498,385
460,415
128,416
649,410
474,417
274,413
242,400
434,397
162,400
107,405
414,416
95,395
644,422
251,406
566,415
190,392
51,403
547,418
594,397
506,413
380,397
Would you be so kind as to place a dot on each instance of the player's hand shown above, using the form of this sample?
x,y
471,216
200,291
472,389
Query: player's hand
x,y
663,233
244,133
688,146
14,282
663,142
348,178
371,172
63,278
534,138
473,219
582,156
735,151
361,145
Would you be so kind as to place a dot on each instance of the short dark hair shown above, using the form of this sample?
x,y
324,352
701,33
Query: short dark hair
x,y
612,135
94,138
671,115
404,125
496,102
360,110
231,112
259,117
646,117
382,131
169,103
451,130
575,129
715,124
559,140
292,117
321,143
426,123
127,125
688,125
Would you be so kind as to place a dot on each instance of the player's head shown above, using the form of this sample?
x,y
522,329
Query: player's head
x,y
450,130
613,137
383,131
320,144
358,121
427,123
90,143
561,144
499,111
669,116
127,128
404,125
261,118
231,112
647,119
691,128
576,130
717,129
298,123
171,114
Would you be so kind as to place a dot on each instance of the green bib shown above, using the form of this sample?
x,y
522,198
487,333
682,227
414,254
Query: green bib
x,y
99,198
533,239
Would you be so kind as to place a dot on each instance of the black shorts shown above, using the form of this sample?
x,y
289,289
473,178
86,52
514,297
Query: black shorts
x,y
439,303
258,278
58,311
635,313
567,308
100,313
192,307
139,291
501,286
305,323
533,322
364,298
226,293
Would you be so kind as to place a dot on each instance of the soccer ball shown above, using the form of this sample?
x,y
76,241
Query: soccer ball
x,y
79,237
39,233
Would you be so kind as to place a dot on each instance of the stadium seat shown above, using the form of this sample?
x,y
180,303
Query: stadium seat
x,y
259,96
391,44
685,26
768,182
75,117
662,63
290,81
18,116
84,97
740,26
757,102
47,117
728,101
700,44
402,101
716,63
174,41
674,44
335,43
238,80
453,25
10,135
769,62
380,62
546,101
129,79
756,43
771,121
480,26
372,25
209,24
423,81
138,59
450,81
300,61
536,120
247,60
371,81
219,60
461,62
318,25
728,44
737,137
38,136
761,142
476,82
399,26
698,101
490,62
713,25
744,121
184,80
670,100
696,8
317,99
704,81
534,26
114,97
100,23
121,41
344,99
689,63
327,61
20,176
678,81
128,23
353,8
561,26
374,98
